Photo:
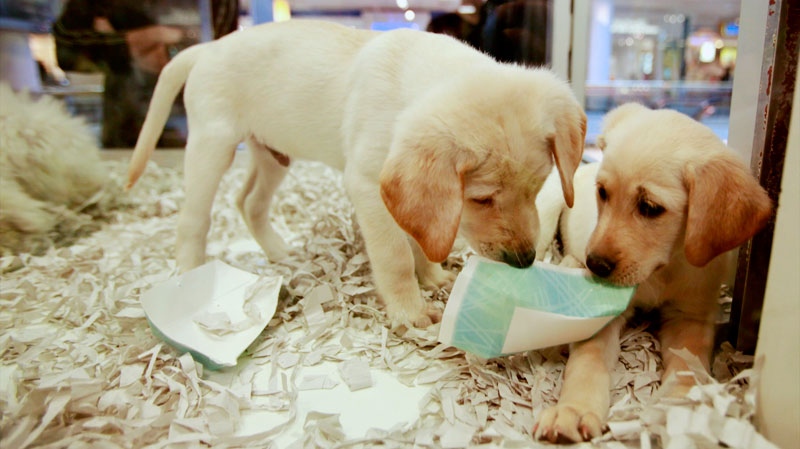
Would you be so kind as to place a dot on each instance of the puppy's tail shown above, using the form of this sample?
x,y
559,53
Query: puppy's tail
x,y
170,82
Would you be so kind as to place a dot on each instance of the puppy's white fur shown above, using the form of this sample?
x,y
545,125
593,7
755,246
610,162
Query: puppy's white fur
x,y
432,136
662,211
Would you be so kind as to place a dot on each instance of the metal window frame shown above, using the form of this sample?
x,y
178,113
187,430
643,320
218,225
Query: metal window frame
x,y
770,138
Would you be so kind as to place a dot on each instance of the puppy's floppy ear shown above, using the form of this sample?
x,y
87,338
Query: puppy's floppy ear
x,y
423,189
726,207
566,146
615,116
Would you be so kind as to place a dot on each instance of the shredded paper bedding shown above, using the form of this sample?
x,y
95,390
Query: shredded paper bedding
x,y
81,367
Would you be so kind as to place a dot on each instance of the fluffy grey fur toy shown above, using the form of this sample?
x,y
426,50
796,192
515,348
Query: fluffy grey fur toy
x,y
53,182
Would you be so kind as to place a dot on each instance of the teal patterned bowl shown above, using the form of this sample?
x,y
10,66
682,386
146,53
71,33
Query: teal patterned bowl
x,y
495,309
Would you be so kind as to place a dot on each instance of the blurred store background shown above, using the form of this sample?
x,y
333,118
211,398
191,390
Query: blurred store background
x,y
678,54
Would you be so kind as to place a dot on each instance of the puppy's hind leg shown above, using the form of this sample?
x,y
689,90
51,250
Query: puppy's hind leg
x,y
254,201
684,331
208,156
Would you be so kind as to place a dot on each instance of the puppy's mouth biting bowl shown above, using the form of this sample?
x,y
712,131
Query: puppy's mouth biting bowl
x,y
519,259
631,275
612,272
516,259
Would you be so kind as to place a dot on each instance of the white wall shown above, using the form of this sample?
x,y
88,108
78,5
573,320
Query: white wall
x,y
778,414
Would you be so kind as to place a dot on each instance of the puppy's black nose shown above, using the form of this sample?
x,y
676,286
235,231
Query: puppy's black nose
x,y
600,265
521,259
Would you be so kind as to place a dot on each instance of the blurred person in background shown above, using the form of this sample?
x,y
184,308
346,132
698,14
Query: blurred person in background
x,y
451,24
508,30
130,41
514,31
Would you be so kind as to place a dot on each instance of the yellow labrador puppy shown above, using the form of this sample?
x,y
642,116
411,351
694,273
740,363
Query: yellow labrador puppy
x,y
662,211
432,136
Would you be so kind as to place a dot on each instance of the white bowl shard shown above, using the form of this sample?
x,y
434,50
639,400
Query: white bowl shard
x,y
214,311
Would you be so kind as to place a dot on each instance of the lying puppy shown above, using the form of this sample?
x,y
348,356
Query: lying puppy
x,y
431,135
671,202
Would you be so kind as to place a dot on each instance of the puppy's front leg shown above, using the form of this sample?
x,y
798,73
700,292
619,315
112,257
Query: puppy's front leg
x,y
390,255
585,397
430,274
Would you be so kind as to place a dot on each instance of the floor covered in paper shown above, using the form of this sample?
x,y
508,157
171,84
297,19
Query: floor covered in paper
x,y
81,368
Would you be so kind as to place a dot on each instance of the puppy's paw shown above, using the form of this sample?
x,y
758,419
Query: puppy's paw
x,y
431,316
421,318
568,423
274,247
677,385
434,276
281,253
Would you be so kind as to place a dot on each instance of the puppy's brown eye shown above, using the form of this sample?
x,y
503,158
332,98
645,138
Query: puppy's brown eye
x,y
601,193
650,210
483,201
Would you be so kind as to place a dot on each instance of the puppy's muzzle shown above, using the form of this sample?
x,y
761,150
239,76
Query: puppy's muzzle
x,y
600,266
519,259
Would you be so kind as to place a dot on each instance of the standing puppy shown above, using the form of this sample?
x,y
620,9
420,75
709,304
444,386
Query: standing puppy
x,y
432,136
671,202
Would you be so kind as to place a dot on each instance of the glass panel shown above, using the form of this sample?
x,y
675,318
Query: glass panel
x,y
103,58
510,30
679,55
82,51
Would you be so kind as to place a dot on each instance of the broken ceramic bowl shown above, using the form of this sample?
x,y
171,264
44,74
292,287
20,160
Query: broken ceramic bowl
x,y
214,311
